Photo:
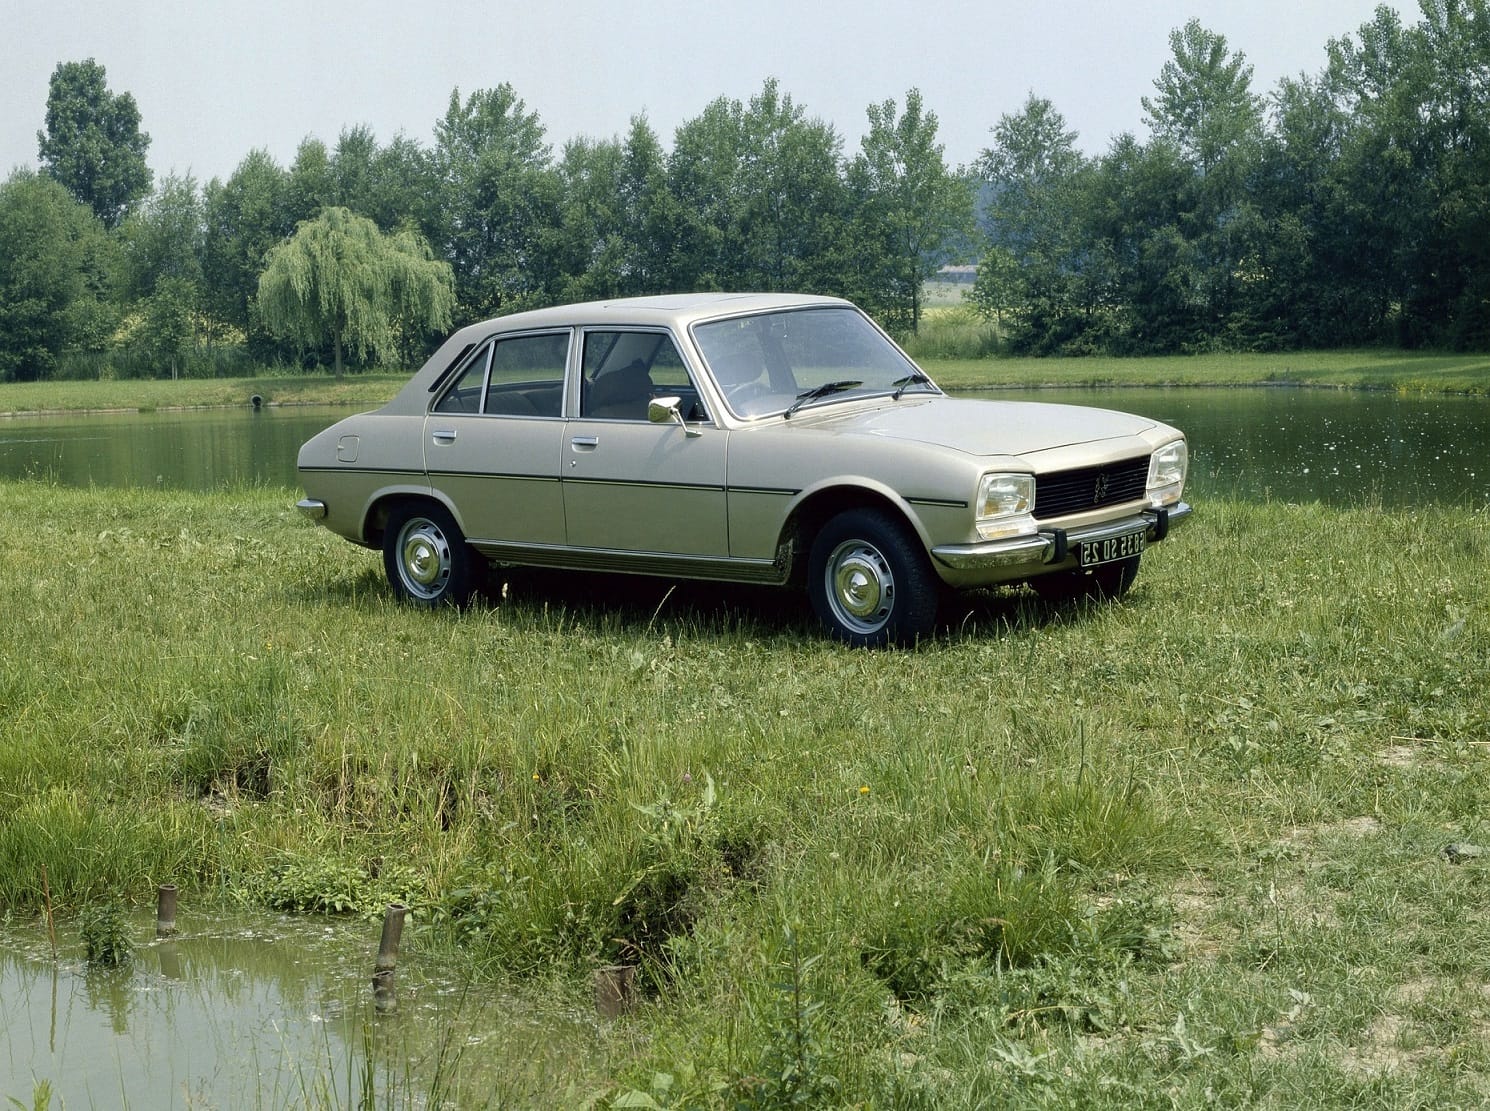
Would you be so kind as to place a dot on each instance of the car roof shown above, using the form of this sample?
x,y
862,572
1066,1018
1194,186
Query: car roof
x,y
667,309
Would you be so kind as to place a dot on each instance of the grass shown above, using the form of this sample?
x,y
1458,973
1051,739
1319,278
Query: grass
x,y
19,398
1179,849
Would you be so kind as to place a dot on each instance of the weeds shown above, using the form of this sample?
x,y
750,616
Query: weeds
x,y
796,1070
104,927
1020,852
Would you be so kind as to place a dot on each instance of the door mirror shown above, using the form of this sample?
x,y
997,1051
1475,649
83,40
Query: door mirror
x,y
663,410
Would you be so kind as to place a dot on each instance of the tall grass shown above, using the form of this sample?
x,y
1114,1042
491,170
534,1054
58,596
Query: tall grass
x,y
1056,855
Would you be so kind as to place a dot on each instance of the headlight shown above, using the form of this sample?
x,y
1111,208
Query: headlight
x,y
1167,468
1005,505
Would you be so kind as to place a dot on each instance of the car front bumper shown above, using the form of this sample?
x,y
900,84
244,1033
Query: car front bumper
x,y
1015,556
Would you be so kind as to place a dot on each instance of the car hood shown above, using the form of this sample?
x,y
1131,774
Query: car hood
x,y
989,427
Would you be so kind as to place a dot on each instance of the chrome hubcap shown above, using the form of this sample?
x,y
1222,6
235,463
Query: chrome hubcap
x,y
861,587
424,558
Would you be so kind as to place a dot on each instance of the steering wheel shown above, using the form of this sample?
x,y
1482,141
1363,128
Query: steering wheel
x,y
740,396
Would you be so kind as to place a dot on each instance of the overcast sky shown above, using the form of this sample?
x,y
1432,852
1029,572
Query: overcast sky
x,y
215,79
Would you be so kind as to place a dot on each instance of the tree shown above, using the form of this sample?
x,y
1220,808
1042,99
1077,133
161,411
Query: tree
x,y
1040,211
164,237
167,329
310,185
764,195
501,199
1206,112
997,287
56,269
913,205
340,281
652,217
1205,104
93,144
589,245
246,217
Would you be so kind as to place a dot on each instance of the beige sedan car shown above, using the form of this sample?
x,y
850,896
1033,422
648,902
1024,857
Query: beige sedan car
x,y
752,438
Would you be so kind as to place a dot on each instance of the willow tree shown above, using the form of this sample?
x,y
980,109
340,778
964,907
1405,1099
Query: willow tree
x,y
339,280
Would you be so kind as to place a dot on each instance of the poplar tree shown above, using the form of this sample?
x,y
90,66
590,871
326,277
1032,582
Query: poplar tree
x,y
93,144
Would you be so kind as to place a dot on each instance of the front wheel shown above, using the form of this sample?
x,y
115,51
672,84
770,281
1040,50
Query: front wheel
x,y
870,582
426,558
1101,584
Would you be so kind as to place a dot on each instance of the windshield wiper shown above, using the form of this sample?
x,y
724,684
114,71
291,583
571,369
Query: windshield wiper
x,y
822,391
914,378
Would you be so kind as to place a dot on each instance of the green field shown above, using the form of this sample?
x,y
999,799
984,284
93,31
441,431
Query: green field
x,y
1184,849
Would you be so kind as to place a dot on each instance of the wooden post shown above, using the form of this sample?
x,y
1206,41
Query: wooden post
x,y
165,910
615,989
384,997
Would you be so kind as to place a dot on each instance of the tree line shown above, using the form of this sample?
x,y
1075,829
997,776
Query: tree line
x,y
369,251
1351,207
1348,207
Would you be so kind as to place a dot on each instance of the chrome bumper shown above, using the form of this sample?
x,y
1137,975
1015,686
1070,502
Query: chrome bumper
x,y
1054,545
312,508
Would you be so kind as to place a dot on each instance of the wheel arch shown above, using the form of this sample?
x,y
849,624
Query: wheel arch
x,y
375,517
821,505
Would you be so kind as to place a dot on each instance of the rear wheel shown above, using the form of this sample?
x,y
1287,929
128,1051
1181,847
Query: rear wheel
x,y
1100,584
426,558
870,582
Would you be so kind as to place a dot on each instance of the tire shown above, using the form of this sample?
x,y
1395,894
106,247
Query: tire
x,y
1101,584
870,582
426,558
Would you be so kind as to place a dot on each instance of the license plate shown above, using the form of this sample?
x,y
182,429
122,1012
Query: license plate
x,y
1094,553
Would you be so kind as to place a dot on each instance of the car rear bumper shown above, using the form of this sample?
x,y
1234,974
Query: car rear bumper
x,y
1006,558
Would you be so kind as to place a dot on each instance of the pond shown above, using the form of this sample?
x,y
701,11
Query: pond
x,y
264,1010
1334,446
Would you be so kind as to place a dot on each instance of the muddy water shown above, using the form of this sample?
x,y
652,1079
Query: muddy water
x,y
267,1011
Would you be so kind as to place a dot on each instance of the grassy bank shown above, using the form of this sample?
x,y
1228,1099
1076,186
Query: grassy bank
x,y
1400,371
1180,849
154,394
1407,372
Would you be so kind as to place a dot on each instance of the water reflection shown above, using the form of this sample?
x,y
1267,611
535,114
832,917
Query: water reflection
x,y
1336,446
1339,447
267,1011
192,450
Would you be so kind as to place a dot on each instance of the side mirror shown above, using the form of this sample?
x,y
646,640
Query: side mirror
x,y
663,410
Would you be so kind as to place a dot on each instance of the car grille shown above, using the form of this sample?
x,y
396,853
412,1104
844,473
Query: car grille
x,y
1067,492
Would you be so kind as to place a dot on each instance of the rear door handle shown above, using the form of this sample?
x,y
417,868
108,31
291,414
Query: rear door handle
x,y
443,435
585,443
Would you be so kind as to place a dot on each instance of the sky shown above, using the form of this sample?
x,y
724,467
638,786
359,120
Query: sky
x,y
216,79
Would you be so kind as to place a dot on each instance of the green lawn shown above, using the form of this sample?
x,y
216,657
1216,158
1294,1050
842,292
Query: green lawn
x,y
1180,850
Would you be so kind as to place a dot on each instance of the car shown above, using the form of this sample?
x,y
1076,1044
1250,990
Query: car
x,y
743,438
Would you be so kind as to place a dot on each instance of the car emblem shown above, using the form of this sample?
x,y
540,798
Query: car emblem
x,y
1099,489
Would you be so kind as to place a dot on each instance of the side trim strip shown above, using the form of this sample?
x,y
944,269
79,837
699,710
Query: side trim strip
x,y
576,481
487,474
776,491
636,563
362,470
941,503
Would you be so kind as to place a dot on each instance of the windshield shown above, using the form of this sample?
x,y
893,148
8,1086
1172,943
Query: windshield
x,y
780,361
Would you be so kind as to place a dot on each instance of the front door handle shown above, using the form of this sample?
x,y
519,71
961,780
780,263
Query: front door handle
x,y
443,435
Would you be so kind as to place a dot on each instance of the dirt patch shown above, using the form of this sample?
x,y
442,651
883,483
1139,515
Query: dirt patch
x,y
1363,826
1381,1051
